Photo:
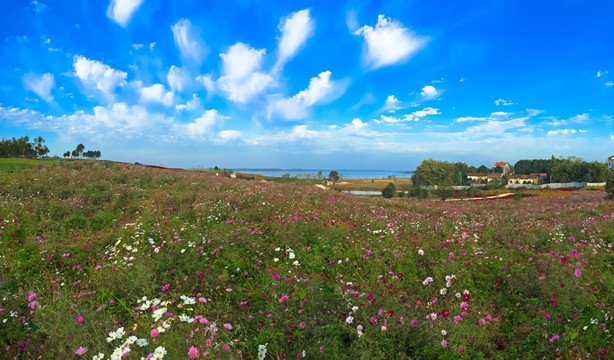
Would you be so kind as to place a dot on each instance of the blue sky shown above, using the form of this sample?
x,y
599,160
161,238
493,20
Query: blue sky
x,y
312,84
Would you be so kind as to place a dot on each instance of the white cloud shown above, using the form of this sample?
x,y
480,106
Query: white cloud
x,y
95,74
580,118
494,127
429,92
534,112
156,94
295,30
41,85
415,116
321,90
229,135
121,11
391,105
177,78
137,46
191,105
566,131
470,118
389,42
191,46
351,20
202,127
612,138
39,7
241,80
609,83
503,102
601,73
208,83
152,46
299,132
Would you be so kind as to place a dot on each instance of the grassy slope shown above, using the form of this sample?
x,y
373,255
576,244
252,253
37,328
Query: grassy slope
x,y
83,242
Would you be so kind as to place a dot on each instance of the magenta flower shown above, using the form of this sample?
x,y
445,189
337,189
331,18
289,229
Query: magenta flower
x,y
81,350
414,323
444,343
228,326
546,316
79,319
154,333
193,352
578,272
165,287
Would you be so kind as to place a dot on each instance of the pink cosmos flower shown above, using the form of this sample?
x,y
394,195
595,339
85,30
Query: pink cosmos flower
x,y
165,287
79,319
414,323
154,333
228,326
444,343
81,350
578,272
193,352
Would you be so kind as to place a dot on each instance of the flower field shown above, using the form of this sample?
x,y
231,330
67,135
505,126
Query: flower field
x,y
112,261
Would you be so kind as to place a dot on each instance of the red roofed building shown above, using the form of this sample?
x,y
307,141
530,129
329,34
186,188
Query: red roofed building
x,y
504,165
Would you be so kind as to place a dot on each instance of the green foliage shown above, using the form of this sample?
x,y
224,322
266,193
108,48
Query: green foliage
x,y
22,147
609,185
389,191
334,175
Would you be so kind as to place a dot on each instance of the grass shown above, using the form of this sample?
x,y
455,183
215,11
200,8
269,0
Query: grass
x,y
108,257
16,165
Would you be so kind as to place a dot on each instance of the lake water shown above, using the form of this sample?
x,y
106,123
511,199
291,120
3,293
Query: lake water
x,y
348,174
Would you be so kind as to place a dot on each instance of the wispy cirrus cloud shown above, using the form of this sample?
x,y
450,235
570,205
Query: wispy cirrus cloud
x,y
321,90
191,46
389,43
295,29
41,85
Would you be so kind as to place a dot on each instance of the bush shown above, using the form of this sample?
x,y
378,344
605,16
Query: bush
x,y
609,186
389,191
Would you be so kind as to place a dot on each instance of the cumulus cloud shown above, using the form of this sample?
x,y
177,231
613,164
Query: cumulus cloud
x,y
497,115
580,118
389,43
299,132
241,80
229,135
295,30
94,74
191,105
429,92
156,94
41,85
503,102
470,118
202,127
609,83
321,90
177,79
191,46
601,73
121,11
391,105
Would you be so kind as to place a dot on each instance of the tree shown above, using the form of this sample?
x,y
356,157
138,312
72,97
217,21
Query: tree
x,y
75,153
39,147
483,169
67,154
498,170
320,176
80,149
434,172
609,185
334,175
389,191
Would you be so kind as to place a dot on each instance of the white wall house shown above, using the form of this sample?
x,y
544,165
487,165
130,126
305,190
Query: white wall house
x,y
611,162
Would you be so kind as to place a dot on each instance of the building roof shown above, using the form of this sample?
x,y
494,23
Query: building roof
x,y
476,174
611,157
540,174
502,164
495,176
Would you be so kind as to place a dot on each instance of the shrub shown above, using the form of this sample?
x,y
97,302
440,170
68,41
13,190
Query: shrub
x,y
389,191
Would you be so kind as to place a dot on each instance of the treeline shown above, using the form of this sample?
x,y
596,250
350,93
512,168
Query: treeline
x,y
79,152
23,148
565,170
557,170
